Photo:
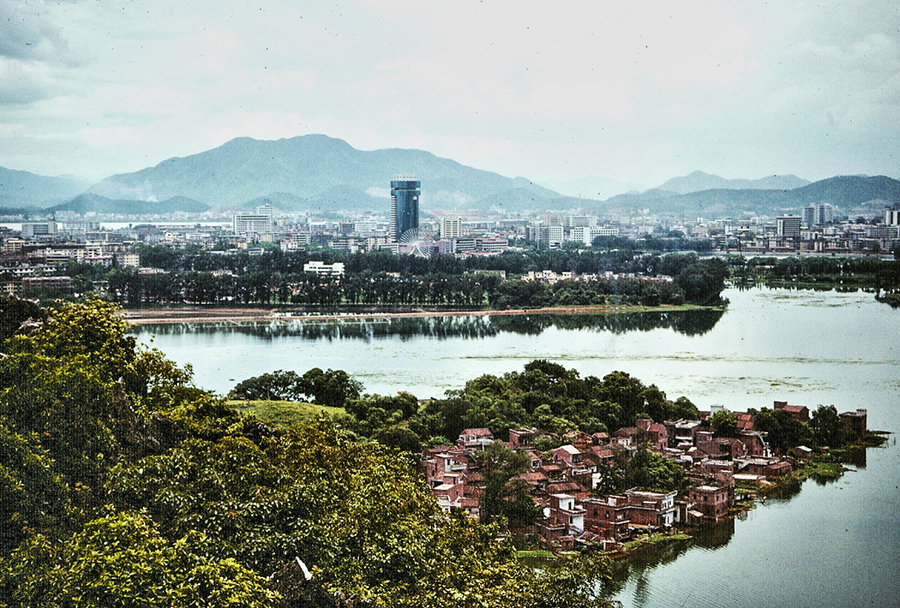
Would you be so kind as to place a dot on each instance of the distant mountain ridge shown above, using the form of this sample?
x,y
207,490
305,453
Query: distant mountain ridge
x,y
845,192
699,181
94,203
320,170
24,189
318,173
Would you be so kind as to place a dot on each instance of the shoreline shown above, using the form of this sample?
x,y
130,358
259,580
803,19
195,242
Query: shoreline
x,y
163,316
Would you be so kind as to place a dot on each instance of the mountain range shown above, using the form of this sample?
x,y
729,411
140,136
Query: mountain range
x,y
24,189
851,193
312,172
320,174
698,181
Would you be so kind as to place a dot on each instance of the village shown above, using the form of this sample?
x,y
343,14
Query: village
x,y
563,482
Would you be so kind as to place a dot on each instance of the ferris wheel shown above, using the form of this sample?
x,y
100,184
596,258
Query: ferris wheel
x,y
413,240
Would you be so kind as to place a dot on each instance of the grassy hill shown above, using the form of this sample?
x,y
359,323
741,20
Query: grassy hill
x,y
284,414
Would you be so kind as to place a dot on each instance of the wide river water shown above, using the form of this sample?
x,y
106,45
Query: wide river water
x,y
830,545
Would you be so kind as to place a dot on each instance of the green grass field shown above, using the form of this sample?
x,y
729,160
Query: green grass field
x,y
283,414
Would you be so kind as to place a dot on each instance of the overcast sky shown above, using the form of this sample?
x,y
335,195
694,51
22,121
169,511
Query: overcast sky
x,y
551,90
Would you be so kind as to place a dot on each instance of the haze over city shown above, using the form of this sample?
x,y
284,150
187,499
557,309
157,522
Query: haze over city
x,y
638,92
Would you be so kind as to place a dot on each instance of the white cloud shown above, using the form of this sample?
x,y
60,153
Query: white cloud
x,y
637,90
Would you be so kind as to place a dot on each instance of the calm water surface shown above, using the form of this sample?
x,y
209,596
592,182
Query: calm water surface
x,y
829,545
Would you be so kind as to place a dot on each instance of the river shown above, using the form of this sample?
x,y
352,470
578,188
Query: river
x,y
830,545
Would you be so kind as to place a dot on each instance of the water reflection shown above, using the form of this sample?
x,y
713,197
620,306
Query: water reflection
x,y
639,564
688,322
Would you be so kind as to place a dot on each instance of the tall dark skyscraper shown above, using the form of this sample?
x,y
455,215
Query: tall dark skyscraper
x,y
404,205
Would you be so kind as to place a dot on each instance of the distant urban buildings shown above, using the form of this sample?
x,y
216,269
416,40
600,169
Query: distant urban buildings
x,y
818,215
451,228
892,217
323,269
404,205
254,223
788,226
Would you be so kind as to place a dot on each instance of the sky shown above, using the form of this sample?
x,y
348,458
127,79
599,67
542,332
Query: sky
x,y
636,91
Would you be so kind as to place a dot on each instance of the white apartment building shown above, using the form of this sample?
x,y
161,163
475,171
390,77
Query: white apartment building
x,y
323,269
451,228
254,223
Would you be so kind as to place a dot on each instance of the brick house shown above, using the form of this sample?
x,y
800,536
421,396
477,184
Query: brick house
x,y
659,436
720,447
800,412
564,510
520,438
855,424
475,439
712,501
681,433
755,442
654,509
764,467
607,517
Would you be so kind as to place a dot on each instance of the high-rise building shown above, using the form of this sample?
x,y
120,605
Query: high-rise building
x,y
892,217
818,214
788,225
824,214
809,216
451,228
404,205
259,222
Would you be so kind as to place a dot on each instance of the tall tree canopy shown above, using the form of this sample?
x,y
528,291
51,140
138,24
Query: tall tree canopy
x,y
123,485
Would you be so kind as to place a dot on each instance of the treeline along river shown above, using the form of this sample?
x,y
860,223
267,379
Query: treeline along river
x,y
836,544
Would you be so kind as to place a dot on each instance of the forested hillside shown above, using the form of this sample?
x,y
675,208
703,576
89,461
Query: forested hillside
x,y
124,485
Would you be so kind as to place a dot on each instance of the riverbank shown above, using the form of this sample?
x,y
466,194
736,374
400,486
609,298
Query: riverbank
x,y
155,316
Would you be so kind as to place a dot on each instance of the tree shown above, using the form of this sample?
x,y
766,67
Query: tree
x,y
279,385
626,391
33,497
91,329
784,431
683,408
331,387
400,437
123,561
827,427
14,312
649,470
724,423
703,281
505,495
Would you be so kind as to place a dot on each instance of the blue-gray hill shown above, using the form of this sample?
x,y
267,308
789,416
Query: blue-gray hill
x,y
322,171
846,192
94,203
24,189
698,181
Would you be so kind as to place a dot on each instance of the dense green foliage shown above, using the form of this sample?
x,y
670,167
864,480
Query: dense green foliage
x,y
123,485
331,388
724,423
384,279
644,469
505,495
550,397
865,272
784,430
827,426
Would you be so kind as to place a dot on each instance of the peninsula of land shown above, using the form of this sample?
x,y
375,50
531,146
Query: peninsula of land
x,y
171,315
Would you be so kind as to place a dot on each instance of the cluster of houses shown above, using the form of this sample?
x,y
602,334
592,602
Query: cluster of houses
x,y
564,481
